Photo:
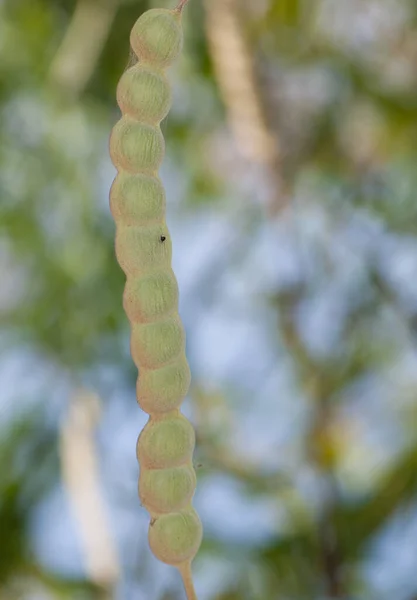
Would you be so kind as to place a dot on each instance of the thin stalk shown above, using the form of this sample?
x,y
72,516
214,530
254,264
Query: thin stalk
x,y
187,578
181,5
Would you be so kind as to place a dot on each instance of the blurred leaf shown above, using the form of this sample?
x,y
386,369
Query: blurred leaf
x,y
356,525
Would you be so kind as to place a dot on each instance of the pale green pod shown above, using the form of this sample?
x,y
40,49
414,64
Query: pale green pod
x,y
176,538
137,199
156,37
155,344
167,490
144,94
136,147
150,297
166,443
163,390
142,250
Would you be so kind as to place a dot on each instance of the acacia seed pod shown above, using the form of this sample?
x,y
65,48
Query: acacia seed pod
x,y
150,297
144,94
163,390
166,443
155,344
140,250
136,147
137,199
156,37
167,490
143,249
176,537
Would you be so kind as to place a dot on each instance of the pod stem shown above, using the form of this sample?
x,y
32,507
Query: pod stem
x,y
187,578
181,5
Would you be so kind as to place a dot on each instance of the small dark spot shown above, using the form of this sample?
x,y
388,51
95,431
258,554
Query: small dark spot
x,y
153,521
162,238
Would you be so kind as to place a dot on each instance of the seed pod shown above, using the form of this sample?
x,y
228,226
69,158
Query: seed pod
x,y
144,94
175,538
137,199
156,37
150,297
166,443
156,344
163,390
136,147
139,249
143,248
167,490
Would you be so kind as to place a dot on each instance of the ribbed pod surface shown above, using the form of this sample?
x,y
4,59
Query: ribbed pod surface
x,y
143,248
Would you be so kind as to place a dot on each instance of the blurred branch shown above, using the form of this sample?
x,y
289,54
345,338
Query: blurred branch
x,y
340,527
214,423
254,475
80,474
76,58
236,78
218,455
409,322
315,381
358,523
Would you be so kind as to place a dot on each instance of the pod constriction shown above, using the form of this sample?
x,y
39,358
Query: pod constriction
x,y
143,248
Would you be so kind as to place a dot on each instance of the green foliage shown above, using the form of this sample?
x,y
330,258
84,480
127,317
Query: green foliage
x,y
27,442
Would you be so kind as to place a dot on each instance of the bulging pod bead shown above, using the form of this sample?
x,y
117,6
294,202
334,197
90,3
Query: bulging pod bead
x,y
150,297
175,538
137,199
163,390
156,37
136,147
167,490
144,94
143,249
166,443
154,344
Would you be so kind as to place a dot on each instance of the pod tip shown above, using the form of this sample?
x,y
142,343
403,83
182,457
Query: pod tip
x,y
180,6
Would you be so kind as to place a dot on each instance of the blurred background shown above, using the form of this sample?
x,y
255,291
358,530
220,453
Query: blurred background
x,y
291,175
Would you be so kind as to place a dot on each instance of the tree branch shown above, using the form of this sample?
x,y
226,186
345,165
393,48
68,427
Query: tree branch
x,y
319,387
80,475
235,73
76,58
